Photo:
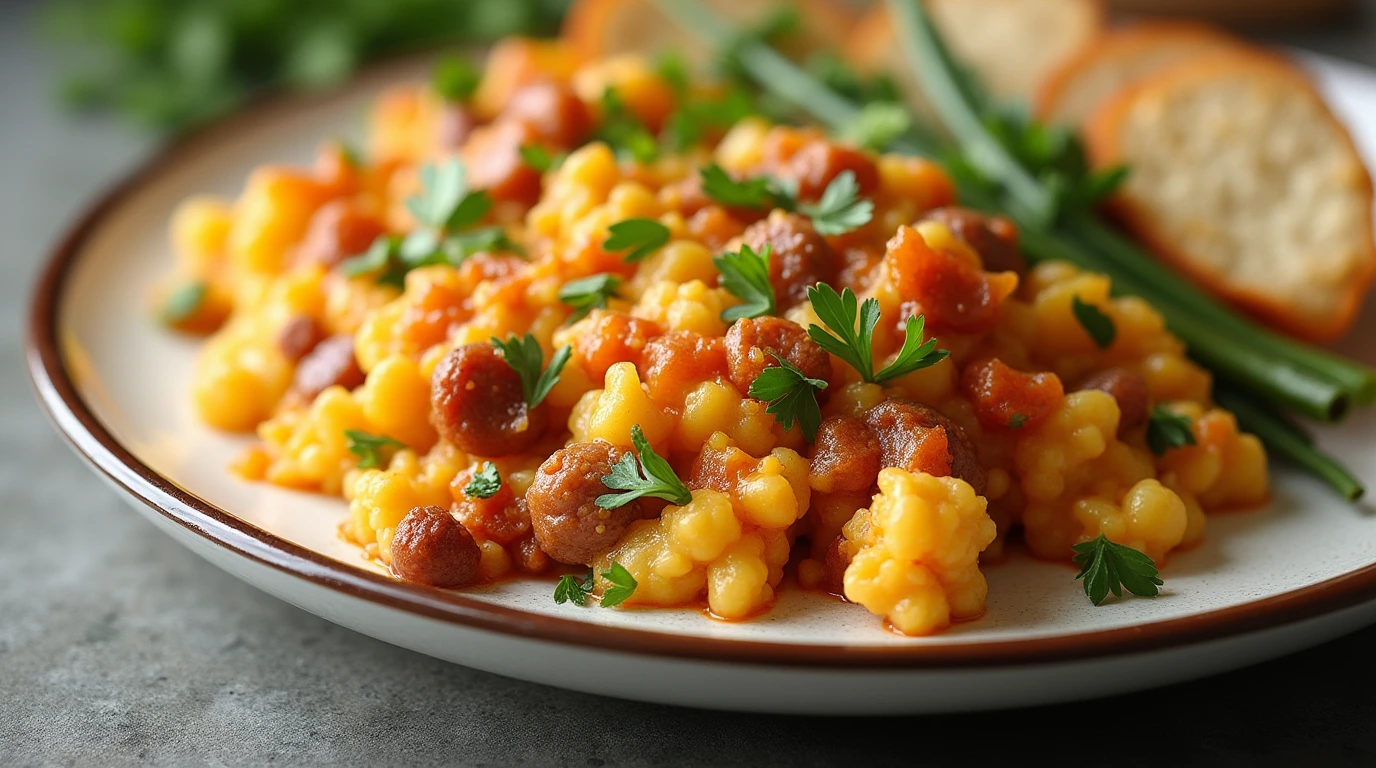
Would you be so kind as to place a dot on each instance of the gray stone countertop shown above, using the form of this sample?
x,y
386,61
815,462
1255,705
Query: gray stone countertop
x,y
118,646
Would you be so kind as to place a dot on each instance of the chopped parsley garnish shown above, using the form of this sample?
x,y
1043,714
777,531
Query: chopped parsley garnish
x,y
456,78
622,583
745,274
878,125
650,475
183,302
445,202
447,211
915,354
1098,325
842,313
525,355
370,449
752,192
588,293
1107,567
840,76
1016,421
539,159
623,131
672,68
1056,157
383,258
791,395
841,208
461,245
695,117
485,483
575,589
1167,429
639,236
572,589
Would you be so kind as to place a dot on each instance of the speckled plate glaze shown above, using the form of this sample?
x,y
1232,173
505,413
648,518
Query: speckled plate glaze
x,y
1265,583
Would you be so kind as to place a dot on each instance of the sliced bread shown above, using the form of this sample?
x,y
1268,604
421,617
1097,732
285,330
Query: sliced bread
x,y
1244,180
1118,58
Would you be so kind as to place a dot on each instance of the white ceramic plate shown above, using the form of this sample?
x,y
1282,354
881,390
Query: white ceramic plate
x,y
1265,583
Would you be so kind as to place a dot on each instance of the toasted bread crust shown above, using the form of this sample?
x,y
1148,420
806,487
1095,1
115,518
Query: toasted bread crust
x,y
1142,47
1341,299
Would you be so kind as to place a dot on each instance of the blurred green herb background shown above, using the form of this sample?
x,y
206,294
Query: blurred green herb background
x,y
171,63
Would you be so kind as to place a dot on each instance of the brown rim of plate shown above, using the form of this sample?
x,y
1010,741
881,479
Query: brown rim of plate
x,y
93,441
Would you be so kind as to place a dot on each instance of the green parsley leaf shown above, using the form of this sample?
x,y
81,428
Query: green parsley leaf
x,y
877,125
369,449
1107,567
445,202
183,302
840,76
420,247
456,78
841,208
672,68
751,192
1167,429
1098,325
573,589
695,117
651,475
791,395
460,245
745,274
526,357
485,483
838,313
641,236
1016,421
851,324
1057,158
383,259
623,585
915,354
588,293
539,159
622,130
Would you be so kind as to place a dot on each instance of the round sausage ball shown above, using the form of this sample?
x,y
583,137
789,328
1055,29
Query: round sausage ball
x,y
330,363
994,238
901,425
431,547
750,341
845,456
798,256
1129,390
568,524
477,404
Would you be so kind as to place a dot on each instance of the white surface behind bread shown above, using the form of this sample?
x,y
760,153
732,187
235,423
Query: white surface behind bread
x,y
1243,178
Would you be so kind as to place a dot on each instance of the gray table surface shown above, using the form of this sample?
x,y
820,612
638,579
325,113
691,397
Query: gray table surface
x,y
118,646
